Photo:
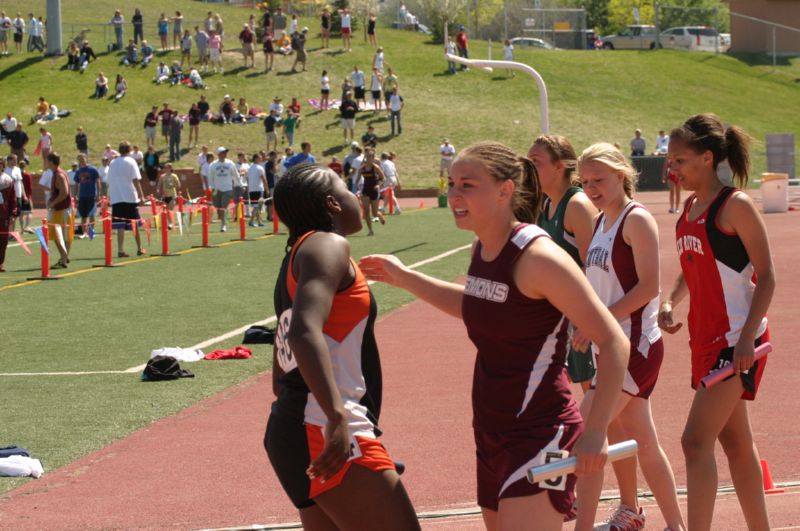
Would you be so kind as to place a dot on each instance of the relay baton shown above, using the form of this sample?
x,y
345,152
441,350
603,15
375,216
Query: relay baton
x,y
717,376
562,467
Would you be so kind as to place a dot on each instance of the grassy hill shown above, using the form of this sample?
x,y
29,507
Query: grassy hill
x,y
593,95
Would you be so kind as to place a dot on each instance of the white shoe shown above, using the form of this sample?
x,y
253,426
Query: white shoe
x,y
223,228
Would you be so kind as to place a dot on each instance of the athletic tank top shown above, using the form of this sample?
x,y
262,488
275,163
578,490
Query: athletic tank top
x,y
555,225
349,334
520,378
612,273
720,277
67,201
370,180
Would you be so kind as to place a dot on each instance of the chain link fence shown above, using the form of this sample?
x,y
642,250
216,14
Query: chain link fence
x,y
561,28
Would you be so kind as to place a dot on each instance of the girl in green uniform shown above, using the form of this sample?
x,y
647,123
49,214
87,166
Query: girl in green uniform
x,y
568,217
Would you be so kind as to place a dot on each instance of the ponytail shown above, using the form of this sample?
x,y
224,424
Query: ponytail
x,y
705,132
530,193
737,144
503,164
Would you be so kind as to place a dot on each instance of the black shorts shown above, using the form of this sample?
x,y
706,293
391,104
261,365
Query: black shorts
x,y
371,194
326,91
123,212
86,206
376,95
167,199
18,37
255,196
359,93
25,206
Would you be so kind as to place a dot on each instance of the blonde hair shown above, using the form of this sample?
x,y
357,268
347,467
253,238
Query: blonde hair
x,y
503,164
611,156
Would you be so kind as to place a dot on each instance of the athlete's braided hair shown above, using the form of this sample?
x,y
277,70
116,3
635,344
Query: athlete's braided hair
x,y
504,165
300,199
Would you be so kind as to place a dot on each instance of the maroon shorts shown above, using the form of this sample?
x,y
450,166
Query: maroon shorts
x,y
643,368
345,31
504,460
703,364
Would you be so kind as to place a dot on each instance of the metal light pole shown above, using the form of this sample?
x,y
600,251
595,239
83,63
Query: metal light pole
x,y
54,27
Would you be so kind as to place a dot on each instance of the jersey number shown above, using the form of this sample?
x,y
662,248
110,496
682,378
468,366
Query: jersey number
x,y
283,352
559,483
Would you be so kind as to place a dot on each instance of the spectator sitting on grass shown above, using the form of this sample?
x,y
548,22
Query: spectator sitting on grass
x,y
100,86
162,73
120,87
42,108
226,109
131,56
147,52
73,54
195,80
176,73
242,111
86,53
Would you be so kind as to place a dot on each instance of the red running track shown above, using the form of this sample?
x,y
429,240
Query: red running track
x,y
205,467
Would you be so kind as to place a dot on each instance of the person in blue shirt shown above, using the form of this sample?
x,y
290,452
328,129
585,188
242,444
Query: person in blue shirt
x,y
88,180
303,156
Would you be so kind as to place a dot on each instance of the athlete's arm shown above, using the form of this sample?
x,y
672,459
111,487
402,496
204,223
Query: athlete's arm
x,y
579,219
741,214
678,292
546,271
641,233
446,296
322,264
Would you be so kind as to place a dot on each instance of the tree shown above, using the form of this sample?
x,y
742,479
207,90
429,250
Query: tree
x,y
596,14
439,11
621,13
694,13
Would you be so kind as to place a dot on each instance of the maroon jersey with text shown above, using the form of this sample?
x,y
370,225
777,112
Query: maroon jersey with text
x,y
520,376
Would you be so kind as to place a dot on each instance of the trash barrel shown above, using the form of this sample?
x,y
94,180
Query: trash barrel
x,y
774,192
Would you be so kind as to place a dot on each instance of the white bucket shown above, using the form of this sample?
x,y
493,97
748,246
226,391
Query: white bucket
x,y
774,192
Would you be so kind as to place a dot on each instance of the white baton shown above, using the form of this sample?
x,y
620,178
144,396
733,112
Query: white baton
x,y
562,467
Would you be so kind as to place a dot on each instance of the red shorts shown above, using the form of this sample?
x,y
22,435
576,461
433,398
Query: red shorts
x,y
704,363
504,460
643,368
345,31
672,177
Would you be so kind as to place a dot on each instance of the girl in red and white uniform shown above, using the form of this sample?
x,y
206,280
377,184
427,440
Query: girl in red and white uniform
x,y
521,288
622,266
728,274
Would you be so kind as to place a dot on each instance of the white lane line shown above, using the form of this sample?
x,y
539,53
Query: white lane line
x,y
223,337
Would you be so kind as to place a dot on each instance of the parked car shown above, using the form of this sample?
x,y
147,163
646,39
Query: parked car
x,y
637,37
692,38
531,42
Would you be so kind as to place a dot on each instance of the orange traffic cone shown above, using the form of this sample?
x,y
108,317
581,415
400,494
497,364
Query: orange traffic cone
x,y
422,204
769,486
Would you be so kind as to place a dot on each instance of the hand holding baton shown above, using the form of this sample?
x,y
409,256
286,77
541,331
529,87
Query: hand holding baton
x,y
562,467
720,374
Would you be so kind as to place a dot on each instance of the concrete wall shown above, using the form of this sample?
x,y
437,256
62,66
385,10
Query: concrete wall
x,y
750,36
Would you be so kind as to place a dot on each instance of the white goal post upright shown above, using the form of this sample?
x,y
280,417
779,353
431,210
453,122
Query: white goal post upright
x,y
489,66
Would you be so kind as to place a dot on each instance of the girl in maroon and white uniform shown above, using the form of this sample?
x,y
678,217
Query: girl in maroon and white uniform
x,y
622,266
728,274
521,288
